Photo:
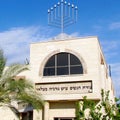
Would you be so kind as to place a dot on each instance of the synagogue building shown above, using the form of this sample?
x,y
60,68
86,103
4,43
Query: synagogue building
x,y
64,70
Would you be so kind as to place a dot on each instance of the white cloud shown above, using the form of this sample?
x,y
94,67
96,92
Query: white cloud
x,y
111,48
15,42
75,34
115,25
116,68
110,45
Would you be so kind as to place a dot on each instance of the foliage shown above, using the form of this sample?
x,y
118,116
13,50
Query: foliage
x,y
77,110
109,107
12,89
117,116
111,112
85,104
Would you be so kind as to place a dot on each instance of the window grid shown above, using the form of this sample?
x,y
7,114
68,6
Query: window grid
x,y
69,62
55,65
64,69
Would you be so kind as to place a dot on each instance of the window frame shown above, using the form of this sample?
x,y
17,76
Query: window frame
x,y
69,65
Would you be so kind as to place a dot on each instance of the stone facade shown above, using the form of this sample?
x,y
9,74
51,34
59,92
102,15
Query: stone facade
x,y
60,92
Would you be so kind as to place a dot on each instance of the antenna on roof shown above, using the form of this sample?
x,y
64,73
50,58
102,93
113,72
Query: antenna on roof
x,y
109,70
62,15
26,61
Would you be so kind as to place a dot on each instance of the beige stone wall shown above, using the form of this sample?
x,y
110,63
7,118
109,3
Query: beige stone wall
x,y
87,49
62,104
62,109
7,114
37,115
89,52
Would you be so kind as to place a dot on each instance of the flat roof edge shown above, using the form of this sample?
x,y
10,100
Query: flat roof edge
x,y
55,40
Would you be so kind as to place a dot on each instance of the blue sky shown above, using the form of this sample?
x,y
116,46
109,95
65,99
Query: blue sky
x,y
25,21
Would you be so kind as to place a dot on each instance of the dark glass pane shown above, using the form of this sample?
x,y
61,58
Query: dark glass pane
x,y
31,115
76,70
55,118
62,59
50,62
24,116
74,60
65,119
49,71
62,71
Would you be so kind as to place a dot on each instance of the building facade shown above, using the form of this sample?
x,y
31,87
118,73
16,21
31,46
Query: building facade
x,y
65,70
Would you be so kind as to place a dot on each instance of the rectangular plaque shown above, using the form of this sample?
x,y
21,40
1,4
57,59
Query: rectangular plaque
x,y
64,88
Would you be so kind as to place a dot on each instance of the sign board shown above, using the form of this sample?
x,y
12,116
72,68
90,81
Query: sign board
x,y
64,88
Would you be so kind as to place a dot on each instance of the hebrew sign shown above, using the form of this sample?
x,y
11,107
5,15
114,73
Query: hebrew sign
x,y
64,88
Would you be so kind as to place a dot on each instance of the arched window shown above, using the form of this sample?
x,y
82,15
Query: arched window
x,y
63,64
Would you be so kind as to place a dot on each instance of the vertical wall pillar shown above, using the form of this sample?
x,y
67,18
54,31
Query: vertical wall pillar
x,y
27,115
37,115
46,111
20,116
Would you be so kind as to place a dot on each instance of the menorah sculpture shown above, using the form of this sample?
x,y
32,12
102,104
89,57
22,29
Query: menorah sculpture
x,y
62,15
